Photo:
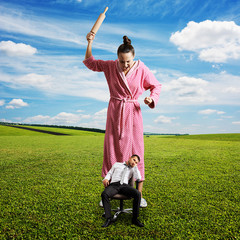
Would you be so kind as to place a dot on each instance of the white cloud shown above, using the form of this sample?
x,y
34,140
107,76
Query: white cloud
x,y
67,31
206,89
16,103
64,79
62,118
164,119
224,88
97,120
35,80
10,107
188,90
38,119
5,120
66,118
17,49
2,102
236,123
24,23
232,90
214,41
210,111
217,66
101,115
32,80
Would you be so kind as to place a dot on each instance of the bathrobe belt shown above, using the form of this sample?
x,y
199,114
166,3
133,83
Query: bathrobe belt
x,y
123,101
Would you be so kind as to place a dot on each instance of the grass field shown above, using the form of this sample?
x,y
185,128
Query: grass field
x,y
50,187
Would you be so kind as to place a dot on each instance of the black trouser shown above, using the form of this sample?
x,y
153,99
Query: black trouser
x,y
124,189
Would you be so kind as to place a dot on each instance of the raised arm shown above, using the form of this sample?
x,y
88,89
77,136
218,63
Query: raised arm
x,y
89,61
90,37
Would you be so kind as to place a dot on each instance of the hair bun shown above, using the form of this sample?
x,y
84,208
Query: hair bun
x,y
126,41
126,46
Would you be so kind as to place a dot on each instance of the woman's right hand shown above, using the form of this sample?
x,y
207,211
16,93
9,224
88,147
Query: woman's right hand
x,y
90,37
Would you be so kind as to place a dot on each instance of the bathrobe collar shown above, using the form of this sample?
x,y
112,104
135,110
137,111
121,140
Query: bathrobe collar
x,y
122,75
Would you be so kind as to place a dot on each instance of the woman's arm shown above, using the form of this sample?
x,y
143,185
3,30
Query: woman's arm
x,y
151,83
90,37
89,61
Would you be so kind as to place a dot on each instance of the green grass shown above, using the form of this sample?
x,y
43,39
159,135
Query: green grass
x,y
215,137
11,131
50,187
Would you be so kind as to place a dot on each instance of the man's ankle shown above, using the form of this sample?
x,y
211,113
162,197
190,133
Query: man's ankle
x,y
136,222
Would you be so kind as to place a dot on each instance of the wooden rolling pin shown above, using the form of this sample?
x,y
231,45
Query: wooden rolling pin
x,y
99,21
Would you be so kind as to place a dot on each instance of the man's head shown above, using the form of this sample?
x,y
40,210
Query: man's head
x,y
133,160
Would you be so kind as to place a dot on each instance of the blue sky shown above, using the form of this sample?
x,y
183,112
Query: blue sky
x,y
192,47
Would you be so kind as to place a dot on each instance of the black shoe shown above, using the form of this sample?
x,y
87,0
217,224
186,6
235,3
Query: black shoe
x,y
137,223
107,223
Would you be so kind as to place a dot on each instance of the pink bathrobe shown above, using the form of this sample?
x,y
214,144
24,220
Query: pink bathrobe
x,y
124,126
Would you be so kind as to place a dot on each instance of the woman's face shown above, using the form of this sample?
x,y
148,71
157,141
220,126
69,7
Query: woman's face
x,y
126,61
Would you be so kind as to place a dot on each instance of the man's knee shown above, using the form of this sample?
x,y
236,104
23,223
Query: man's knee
x,y
137,194
104,195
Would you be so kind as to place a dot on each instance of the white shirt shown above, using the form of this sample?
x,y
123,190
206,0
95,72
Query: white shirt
x,y
116,172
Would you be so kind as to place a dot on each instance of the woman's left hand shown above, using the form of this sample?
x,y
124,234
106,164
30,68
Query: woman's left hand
x,y
148,100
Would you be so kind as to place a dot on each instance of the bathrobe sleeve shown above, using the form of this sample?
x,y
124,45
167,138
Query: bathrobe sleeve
x,y
152,84
95,65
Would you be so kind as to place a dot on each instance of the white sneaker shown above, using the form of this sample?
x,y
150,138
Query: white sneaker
x,y
143,203
101,204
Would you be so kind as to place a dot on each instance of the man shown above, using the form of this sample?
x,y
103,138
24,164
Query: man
x,y
119,174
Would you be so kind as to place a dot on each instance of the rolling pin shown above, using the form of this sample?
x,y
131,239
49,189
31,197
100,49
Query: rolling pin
x,y
99,21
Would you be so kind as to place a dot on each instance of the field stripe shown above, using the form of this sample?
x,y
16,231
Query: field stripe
x,y
38,130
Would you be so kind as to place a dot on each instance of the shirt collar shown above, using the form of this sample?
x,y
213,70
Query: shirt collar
x,y
126,165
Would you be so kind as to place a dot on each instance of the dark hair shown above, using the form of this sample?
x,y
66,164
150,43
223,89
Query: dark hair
x,y
126,47
135,155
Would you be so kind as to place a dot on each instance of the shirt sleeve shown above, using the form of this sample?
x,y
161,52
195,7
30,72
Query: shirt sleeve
x,y
136,174
152,84
110,173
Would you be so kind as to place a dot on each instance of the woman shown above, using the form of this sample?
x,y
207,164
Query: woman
x,y
127,80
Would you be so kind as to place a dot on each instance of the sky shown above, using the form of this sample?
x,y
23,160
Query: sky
x,y
191,46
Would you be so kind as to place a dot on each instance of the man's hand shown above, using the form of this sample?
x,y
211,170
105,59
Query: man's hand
x,y
105,183
148,100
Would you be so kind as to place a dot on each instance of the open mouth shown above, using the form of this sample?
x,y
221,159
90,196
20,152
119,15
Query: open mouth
x,y
125,68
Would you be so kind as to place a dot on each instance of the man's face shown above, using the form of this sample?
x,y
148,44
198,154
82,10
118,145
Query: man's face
x,y
133,161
